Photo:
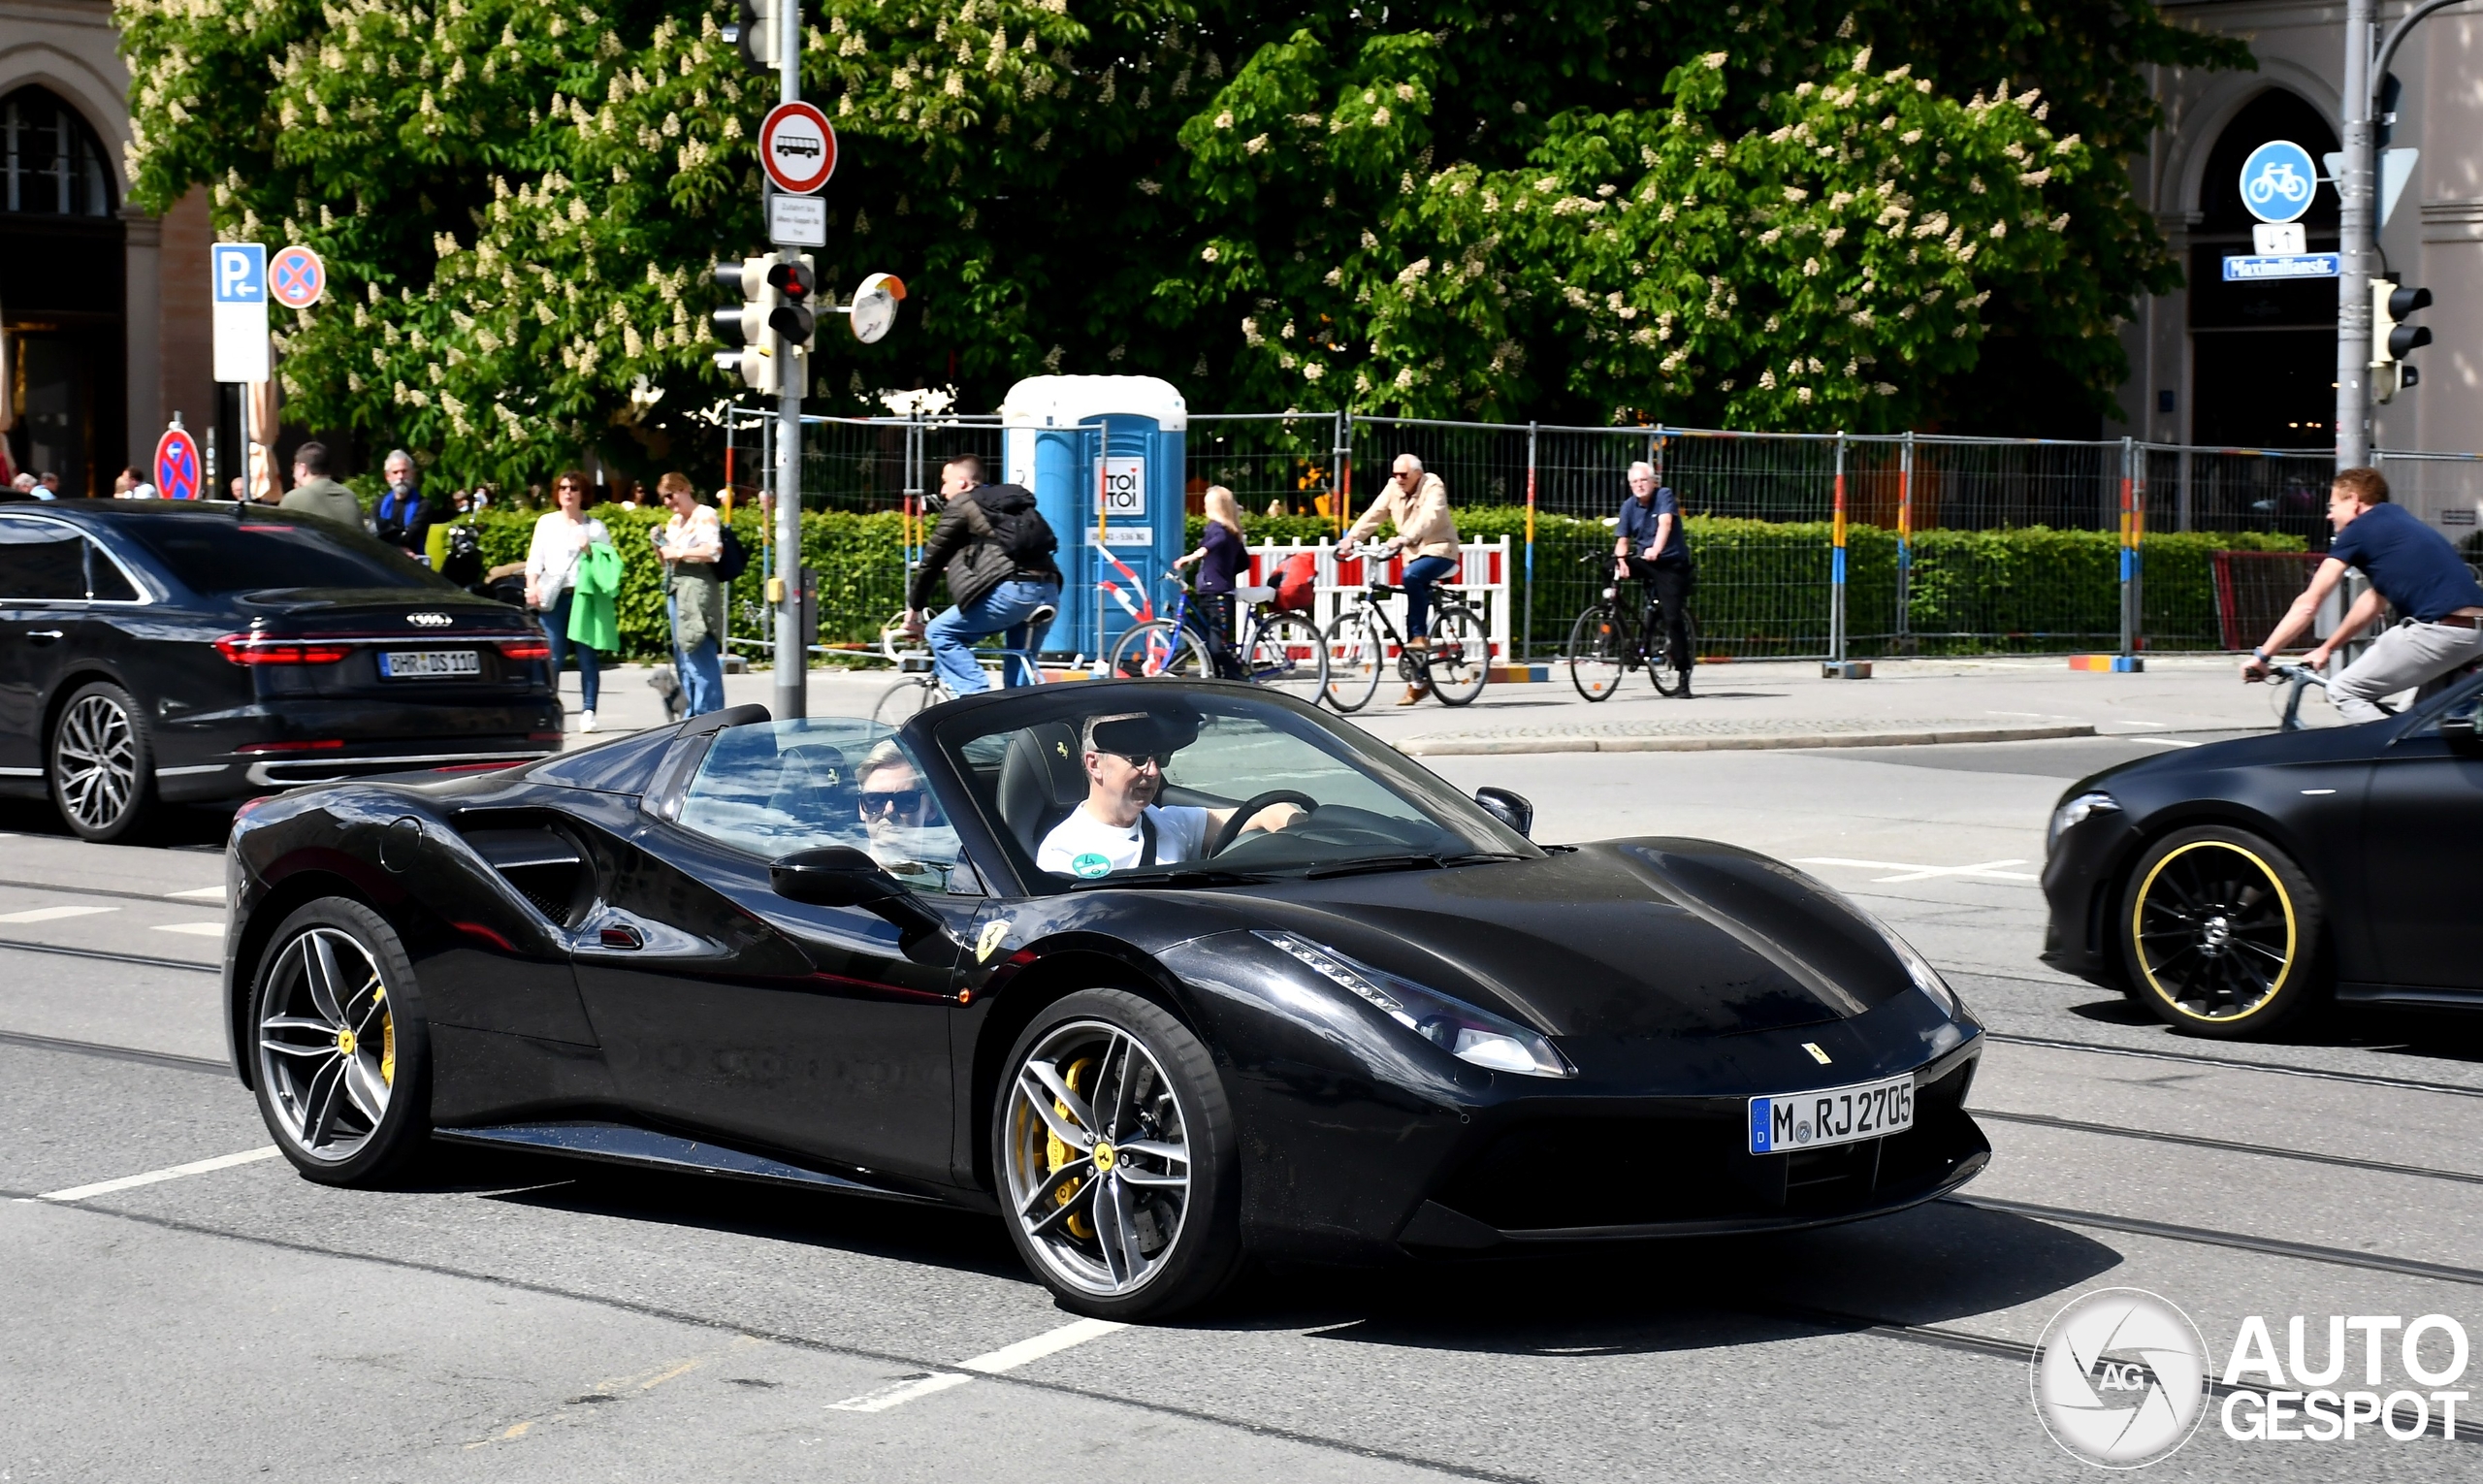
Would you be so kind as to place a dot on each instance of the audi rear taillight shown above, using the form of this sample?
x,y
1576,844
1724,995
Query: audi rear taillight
x,y
525,649
253,649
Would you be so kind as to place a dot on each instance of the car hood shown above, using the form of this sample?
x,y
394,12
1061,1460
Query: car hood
x,y
1632,938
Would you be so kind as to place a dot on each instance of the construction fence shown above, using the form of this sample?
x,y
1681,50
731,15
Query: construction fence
x,y
1808,545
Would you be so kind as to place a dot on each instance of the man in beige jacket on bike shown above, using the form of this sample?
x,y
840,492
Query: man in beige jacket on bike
x,y
1417,504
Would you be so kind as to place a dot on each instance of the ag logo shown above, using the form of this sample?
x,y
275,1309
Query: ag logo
x,y
1091,865
988,943
2120,1378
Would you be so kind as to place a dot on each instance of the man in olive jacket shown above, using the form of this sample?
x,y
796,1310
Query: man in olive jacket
x,y
314,493
996,550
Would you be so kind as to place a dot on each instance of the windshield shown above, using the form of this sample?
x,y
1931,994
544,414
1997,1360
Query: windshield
x,y
212,554
774,787
1131,783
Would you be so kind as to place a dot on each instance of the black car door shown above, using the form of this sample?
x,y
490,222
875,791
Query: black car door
x,y
2424,813
723,1007
42,596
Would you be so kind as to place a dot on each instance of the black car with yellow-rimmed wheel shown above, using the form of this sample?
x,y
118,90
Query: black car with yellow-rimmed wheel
x,y
2236,887
1160,972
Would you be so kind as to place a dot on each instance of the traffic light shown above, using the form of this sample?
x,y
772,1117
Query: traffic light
x,y
746,324
2392,341
753,33
796,283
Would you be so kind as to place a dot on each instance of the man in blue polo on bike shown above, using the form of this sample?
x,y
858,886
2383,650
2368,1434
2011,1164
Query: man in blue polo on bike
x,y
2412,566
1653,545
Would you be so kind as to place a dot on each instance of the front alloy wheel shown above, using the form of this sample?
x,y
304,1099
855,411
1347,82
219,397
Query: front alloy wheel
x,y
1113,1142
2219,932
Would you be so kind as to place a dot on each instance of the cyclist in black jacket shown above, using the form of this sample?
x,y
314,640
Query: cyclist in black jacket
x,y
996,551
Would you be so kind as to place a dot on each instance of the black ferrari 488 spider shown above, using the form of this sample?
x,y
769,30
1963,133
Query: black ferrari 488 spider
x,y
2234,886
1162,972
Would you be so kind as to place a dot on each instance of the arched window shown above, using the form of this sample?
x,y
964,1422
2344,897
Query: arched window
x,y
2262,366
51,164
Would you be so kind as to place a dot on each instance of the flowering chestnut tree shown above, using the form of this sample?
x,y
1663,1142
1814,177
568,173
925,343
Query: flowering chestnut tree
x,y
1813,214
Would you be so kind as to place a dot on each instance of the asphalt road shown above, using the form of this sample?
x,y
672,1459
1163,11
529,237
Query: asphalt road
x,y
517,1319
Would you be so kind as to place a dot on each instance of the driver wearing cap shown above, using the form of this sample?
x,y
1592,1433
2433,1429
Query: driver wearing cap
x,y
1121,826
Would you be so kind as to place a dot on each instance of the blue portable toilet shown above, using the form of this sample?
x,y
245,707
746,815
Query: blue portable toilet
x,y
1105,456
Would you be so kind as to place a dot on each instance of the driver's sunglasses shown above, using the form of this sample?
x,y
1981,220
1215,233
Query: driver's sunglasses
x,y
1162,760
891,801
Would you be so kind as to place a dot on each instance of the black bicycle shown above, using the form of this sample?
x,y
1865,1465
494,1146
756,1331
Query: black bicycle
x,y
1603,647
1452,662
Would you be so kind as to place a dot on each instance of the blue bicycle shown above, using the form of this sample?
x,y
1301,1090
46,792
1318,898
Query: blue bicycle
x,y
1281,648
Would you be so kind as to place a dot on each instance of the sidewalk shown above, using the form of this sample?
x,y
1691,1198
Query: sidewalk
x,y
1763,704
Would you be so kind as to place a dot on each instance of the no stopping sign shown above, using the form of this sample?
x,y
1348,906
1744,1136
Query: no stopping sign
x,y
797,147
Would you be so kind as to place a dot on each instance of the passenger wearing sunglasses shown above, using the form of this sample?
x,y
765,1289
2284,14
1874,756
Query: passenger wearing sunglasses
x,y
900,818
1120,827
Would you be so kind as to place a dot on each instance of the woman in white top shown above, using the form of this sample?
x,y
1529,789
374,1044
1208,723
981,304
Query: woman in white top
x,y
560,539
692,543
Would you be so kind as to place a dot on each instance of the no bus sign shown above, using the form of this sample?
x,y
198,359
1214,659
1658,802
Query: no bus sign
x,y
797,147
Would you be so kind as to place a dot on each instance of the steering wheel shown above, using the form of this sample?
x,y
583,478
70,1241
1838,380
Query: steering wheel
x,y
1250,810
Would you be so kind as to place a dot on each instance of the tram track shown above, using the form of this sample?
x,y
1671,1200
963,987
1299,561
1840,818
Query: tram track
x,y
2240,1242
107,955
174,898
2226,1146
2236,1064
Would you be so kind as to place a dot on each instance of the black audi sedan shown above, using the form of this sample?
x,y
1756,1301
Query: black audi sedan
x,y
170,650
1159,973
2235,887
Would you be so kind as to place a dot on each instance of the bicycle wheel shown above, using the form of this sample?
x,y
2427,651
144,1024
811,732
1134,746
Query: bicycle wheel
x,y
1667,680
1356,655
1461,657
1288,652
1594,653
1162,650
899,703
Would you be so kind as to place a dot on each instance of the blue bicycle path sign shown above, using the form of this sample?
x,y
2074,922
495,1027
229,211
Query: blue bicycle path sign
x,y
2278,181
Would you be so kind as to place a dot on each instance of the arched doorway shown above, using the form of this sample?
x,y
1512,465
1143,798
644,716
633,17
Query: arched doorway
x,y
2262,355
62,295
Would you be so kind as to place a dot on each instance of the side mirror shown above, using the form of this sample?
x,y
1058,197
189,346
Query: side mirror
x,y
2459,730
841,876
1507,807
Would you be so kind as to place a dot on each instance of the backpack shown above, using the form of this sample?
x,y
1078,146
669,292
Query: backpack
x,y
1017,528
1297,583
734,559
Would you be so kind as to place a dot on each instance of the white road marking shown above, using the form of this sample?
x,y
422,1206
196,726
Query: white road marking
x,y
1026,1352
154,1176
194,929
899,1393
197,893
1910,872
51,914
1007,1358
2162,741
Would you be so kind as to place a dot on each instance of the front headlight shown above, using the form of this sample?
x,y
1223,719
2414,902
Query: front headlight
x,y
1925,978
2075,812
1464,1031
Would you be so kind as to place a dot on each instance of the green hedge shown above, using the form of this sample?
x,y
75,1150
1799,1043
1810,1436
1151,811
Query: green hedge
x,y
1762,587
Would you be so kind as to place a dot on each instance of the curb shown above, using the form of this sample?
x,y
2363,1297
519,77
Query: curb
x,y
1451,745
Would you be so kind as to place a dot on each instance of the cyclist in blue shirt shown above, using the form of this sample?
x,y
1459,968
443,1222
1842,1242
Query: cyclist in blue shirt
x,y
1653,545
2412,566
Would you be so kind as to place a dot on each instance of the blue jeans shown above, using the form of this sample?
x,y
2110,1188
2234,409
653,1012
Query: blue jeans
x,y
1004,611
1420,574
556,629
701,670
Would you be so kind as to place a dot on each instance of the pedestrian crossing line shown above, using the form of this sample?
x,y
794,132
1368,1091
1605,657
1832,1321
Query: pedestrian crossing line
x,y
1000,1362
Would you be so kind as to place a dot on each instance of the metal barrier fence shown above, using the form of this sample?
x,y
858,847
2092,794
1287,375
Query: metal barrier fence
x,y
1809,545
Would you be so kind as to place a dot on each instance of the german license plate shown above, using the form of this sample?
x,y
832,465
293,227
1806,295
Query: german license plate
x,y
428,664
1831,1115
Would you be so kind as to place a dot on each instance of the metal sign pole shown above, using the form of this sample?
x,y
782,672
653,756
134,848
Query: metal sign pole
x,y
2355,243
792,657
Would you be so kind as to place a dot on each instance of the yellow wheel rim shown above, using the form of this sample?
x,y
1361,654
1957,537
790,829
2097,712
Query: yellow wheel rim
x,y
2214,932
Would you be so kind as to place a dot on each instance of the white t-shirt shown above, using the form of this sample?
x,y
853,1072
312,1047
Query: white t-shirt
x,y
1085,846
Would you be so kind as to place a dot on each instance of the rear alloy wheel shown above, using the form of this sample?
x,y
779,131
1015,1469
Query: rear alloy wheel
x,y
2220,934
1116,1150
102,763
340,1057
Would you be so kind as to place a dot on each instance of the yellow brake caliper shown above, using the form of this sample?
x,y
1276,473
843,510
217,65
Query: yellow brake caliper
x,y
1057,1154
387,1038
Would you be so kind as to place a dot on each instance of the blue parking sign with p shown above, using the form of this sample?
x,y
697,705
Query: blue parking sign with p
x,y
241,273
2278,181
